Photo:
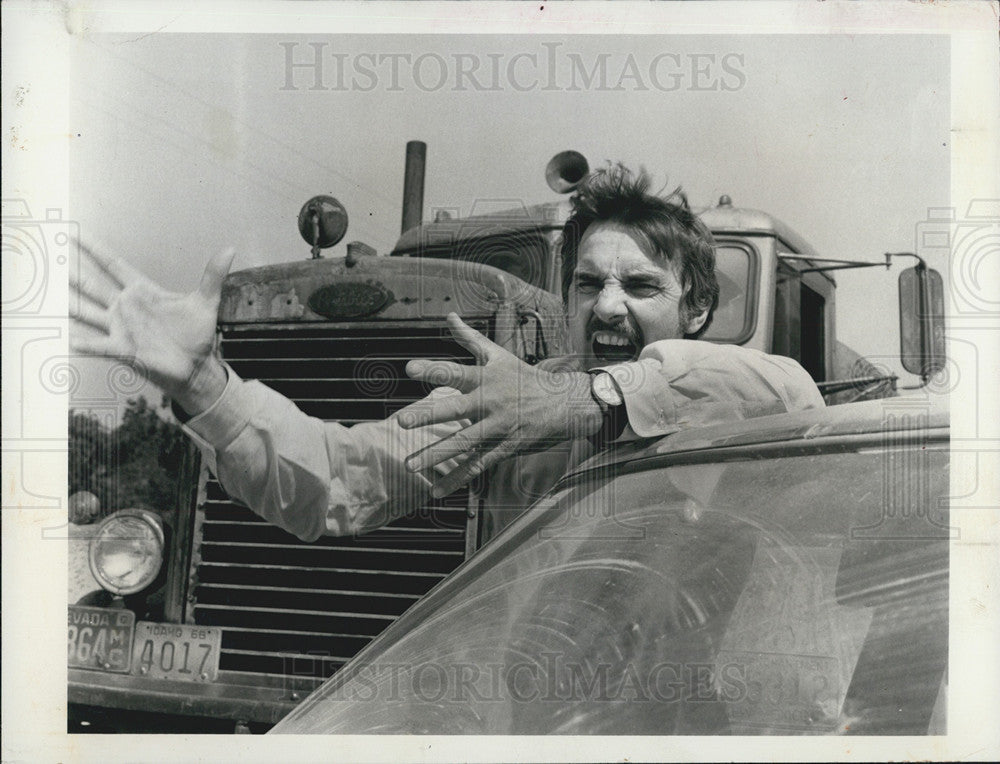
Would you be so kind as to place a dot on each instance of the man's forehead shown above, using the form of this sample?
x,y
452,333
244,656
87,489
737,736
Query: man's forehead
x,y
630,267
606,247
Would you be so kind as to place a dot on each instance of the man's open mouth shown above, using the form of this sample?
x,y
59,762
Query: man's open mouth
x,y
613,347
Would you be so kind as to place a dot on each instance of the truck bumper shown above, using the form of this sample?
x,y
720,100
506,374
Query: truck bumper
x,y
224,699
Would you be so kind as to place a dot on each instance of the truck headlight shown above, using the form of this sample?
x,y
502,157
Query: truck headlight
x,y
126,552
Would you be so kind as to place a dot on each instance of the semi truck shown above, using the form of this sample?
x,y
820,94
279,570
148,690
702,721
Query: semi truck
x,y
203,617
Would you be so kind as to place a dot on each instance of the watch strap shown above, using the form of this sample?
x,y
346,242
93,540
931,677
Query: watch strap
x,y
608,396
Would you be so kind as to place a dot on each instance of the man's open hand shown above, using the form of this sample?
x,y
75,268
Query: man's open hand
x,y
513,408
166,336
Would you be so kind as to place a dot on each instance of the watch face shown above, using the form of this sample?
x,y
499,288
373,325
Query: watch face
x,y
606,390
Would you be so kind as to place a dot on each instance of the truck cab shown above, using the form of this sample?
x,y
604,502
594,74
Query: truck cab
x,y
777,294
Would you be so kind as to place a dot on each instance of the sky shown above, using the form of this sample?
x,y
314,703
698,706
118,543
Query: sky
x,y
187,143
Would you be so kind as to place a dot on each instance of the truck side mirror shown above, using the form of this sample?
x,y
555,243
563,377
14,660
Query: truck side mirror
x,y
921,320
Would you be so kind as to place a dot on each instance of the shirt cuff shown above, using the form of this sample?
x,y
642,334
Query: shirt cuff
x,y
218,425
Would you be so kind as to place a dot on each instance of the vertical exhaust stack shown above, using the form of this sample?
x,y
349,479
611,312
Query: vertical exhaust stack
x,y
413,184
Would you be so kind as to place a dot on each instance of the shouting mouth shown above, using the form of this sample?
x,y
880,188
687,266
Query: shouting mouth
x,y
613,347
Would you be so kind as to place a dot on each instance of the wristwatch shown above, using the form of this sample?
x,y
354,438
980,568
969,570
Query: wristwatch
x,y
608,396
605,390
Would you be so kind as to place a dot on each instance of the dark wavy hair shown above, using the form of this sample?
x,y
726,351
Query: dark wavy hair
x,y
665,229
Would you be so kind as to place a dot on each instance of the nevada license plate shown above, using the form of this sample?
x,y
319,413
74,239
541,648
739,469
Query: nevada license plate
x,y
181,652
100,639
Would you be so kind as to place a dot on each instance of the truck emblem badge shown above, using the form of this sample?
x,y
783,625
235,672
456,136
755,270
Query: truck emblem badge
x,y
350,300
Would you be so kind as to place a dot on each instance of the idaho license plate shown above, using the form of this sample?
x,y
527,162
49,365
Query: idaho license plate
x,y
181,652
100,639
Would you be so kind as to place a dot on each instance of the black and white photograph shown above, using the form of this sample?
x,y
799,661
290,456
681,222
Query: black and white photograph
x,y
608,380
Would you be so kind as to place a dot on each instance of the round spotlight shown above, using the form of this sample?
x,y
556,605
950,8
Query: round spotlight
x,y
127,551
84,508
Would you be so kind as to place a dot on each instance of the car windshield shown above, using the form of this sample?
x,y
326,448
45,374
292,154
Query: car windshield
x,y
799,592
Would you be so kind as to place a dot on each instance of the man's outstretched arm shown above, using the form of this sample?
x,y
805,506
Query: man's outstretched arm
x,y
306,476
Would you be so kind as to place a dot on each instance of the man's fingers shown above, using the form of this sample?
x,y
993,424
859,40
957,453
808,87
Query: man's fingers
x,y
215,273
92,315
469,470
94,284
90,342
115,267
470,440
471,340
445,374
434,410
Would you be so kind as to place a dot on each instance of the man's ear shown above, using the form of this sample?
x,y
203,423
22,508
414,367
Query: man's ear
x,y
696,322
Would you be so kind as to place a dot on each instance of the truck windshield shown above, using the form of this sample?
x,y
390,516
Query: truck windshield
x,y
735,267
780,595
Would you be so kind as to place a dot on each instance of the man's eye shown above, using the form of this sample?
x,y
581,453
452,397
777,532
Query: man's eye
x,y
641,289
588,286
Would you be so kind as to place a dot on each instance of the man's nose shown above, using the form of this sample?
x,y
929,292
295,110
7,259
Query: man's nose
x,y
610,306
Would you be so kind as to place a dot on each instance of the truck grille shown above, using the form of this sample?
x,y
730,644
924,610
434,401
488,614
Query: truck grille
x,y
303,609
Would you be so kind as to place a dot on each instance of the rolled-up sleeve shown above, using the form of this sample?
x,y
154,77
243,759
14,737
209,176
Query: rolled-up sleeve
x,y
679,384
308,476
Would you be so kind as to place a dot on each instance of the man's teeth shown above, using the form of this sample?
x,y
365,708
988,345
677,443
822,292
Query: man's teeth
x,y
606,338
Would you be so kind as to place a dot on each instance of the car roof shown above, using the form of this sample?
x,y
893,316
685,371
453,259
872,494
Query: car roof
x,y
869,418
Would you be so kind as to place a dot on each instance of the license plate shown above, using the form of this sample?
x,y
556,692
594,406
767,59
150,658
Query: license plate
x,y
100,639
181,652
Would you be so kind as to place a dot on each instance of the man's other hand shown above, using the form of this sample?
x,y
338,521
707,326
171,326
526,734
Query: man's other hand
x,y
167,337
513,408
